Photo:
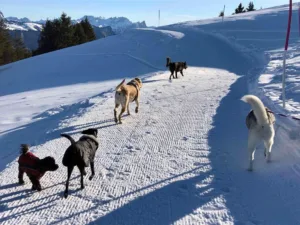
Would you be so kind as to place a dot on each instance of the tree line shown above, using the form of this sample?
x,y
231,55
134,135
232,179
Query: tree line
x,y
56,34
241,9
11,49
61,33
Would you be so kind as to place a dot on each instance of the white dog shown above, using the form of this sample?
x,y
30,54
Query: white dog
x,y
260,123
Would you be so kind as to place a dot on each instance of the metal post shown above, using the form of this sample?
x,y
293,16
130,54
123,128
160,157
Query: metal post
x,y
223,14
159,17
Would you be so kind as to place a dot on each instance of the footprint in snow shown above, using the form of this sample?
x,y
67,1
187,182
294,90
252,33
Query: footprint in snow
x,y
110,175
129,147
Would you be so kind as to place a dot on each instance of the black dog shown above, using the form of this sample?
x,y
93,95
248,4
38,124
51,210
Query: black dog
x,y
81,154
34,167
175,67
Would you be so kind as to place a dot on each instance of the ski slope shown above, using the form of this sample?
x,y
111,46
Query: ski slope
x,y
182,159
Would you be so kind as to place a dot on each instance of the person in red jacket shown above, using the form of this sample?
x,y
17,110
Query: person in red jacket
x,y
34,167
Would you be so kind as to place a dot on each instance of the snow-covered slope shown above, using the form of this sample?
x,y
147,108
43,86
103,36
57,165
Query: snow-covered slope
x,y
182,159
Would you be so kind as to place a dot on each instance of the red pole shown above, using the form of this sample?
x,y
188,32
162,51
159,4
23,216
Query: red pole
x,y
285,52
289,27
299,18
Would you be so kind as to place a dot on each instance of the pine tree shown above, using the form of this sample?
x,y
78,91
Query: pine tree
x,y
60,33
20,51
79,35
47,38
240,9
65,32
88,29
250,7
6,48
11,49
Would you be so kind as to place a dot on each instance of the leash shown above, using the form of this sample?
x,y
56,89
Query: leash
x,y
283,115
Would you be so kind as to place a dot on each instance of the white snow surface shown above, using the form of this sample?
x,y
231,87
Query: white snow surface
x,y
12,26
24,26
182,159
34,26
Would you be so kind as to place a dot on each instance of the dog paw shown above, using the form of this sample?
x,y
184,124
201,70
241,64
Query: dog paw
x,y
91,177
82,187
250,169
136,110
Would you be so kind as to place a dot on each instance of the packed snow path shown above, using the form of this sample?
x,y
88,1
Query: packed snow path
x,y
177,161
154,168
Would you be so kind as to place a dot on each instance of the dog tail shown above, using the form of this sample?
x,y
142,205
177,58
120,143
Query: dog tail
x,y
24,148
120,85
258,108
68,137
168,61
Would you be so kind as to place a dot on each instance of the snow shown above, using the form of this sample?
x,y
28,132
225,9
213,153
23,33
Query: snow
x,y
182,159
12,26
34,26
24,26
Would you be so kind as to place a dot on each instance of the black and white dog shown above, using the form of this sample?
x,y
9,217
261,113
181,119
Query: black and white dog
x,y
81,153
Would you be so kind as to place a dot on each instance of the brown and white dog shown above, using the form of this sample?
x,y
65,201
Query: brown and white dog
x,y
126,93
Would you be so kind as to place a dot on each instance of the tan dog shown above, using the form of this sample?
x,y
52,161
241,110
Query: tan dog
x,y
126,93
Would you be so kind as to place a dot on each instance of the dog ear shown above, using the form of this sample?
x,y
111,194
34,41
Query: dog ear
x,y
95,132
123,81
91,131
138,80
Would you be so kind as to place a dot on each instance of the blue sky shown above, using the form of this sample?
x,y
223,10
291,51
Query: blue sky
x,y
172,11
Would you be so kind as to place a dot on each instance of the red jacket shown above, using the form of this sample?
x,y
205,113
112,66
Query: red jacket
x,y
28,164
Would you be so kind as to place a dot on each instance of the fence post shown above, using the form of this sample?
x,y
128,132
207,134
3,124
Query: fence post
x,y
223,14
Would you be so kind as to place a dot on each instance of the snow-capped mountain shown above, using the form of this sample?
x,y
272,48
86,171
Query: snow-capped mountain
x,y
15,19
118,24
23,26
